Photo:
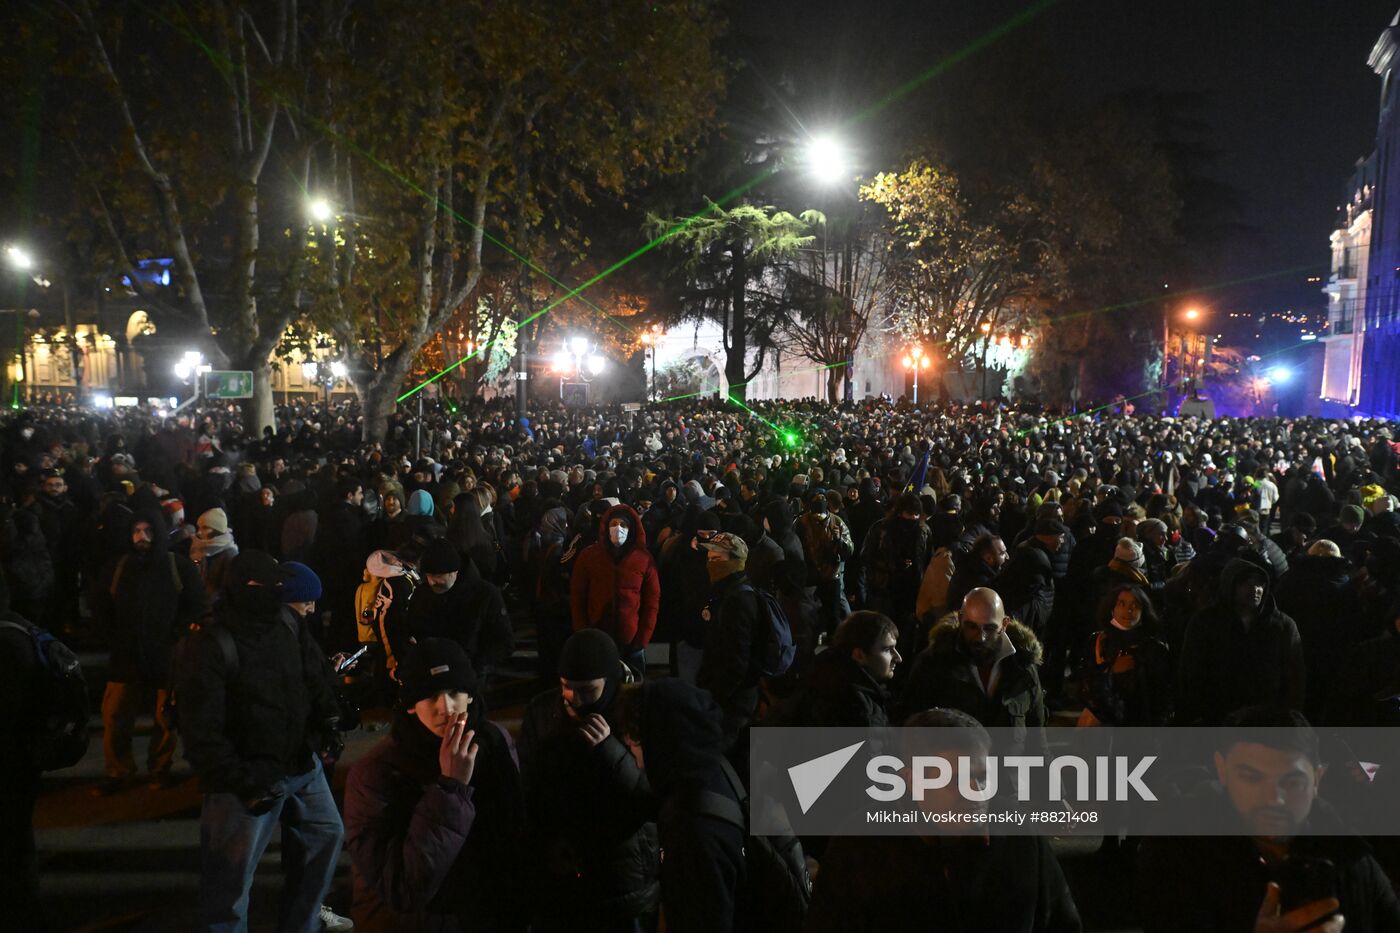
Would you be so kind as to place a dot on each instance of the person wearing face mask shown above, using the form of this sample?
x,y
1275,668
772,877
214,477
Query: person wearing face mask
x,y
212,549
1126,679
256,706
615,586
433,813
593,847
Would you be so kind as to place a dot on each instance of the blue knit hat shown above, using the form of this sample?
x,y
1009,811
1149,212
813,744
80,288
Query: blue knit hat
x,y
301,585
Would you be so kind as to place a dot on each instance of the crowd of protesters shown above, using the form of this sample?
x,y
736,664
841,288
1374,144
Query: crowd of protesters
x,y
965,567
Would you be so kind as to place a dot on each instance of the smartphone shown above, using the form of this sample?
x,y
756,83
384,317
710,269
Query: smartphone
x,y
1303,880
351,660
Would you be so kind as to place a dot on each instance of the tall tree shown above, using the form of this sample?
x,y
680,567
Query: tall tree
x,y
452,118
731,273
837,289
957,266
178,111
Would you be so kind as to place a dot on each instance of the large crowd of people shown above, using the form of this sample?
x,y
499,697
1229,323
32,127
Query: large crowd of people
x,y
958,566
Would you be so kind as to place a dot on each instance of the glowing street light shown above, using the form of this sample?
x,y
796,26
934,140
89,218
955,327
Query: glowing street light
x,y
19,258
826,159
338,369
1280,374
320,210
914,361
1191,314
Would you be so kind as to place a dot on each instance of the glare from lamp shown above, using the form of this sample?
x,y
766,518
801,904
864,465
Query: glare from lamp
x,y
596,364
826,159
320,210
338,369
19,258
578,345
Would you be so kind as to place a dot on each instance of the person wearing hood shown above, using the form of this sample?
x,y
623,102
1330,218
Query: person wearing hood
x,y
456,603
1126,676
212,549
1241,650
729,668
615,586
594,843
433,812
256,707
791,574
984,663
1320,592
674,731
146,598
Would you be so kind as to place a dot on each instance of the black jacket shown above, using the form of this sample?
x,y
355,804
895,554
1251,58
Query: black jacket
x,y
944,675
892,884
1225,666
733,638
1218,883
702,858
1028,585
1320,595
594,844
248,729
836,691
472,613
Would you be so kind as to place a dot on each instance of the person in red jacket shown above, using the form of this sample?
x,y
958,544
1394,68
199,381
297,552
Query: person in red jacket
x,y
615,586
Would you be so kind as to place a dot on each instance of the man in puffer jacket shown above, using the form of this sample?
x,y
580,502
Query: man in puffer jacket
x,y
984,663
615,586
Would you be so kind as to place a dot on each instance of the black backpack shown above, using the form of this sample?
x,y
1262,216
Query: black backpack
x,y
183,656
776,889
63,740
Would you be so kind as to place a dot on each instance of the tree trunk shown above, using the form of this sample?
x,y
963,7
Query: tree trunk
x,y
833,380
258,411
736,357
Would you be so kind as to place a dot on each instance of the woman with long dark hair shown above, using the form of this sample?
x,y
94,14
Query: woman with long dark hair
x,y
1126,679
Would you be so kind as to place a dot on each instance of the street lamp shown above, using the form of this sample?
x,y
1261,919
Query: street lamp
x,y
914,361
320,210
826,159
576,361
19,258
650,339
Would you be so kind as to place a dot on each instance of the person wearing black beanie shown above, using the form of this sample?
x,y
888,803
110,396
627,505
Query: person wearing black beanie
x,y
596,852
433,812
457,603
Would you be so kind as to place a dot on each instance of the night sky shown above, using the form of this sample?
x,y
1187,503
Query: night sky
x,y
1288,97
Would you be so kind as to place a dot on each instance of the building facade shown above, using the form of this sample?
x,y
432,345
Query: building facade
x,y
1379,394
1344,338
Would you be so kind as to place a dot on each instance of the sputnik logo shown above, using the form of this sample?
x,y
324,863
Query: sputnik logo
x,y
810,779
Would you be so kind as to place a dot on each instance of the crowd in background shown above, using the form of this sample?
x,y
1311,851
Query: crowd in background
x,y
995,566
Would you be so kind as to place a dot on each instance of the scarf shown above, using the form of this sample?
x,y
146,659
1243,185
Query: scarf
x,y
203,548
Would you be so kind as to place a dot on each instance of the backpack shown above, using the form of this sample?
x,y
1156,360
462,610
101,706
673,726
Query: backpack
x,y
181,658
776,889
777,644
63,740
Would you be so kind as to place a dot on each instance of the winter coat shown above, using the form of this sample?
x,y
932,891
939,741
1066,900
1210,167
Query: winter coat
x,y
431,854
1218,883
144,603
1028,585
1127,678
791,573
900,884
972,572
835,691
593,839
617,589
29,568
729,668
1225,666
472,613
246,730
1320,593
893,561
945,675
702,858
1367,683
22,696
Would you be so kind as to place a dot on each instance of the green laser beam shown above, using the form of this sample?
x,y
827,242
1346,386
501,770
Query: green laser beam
x,y
977,45
903,90
220,62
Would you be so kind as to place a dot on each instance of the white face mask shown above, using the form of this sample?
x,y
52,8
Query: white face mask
x,y
618,535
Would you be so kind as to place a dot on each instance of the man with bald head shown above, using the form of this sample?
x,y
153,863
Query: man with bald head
x,y
982,662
